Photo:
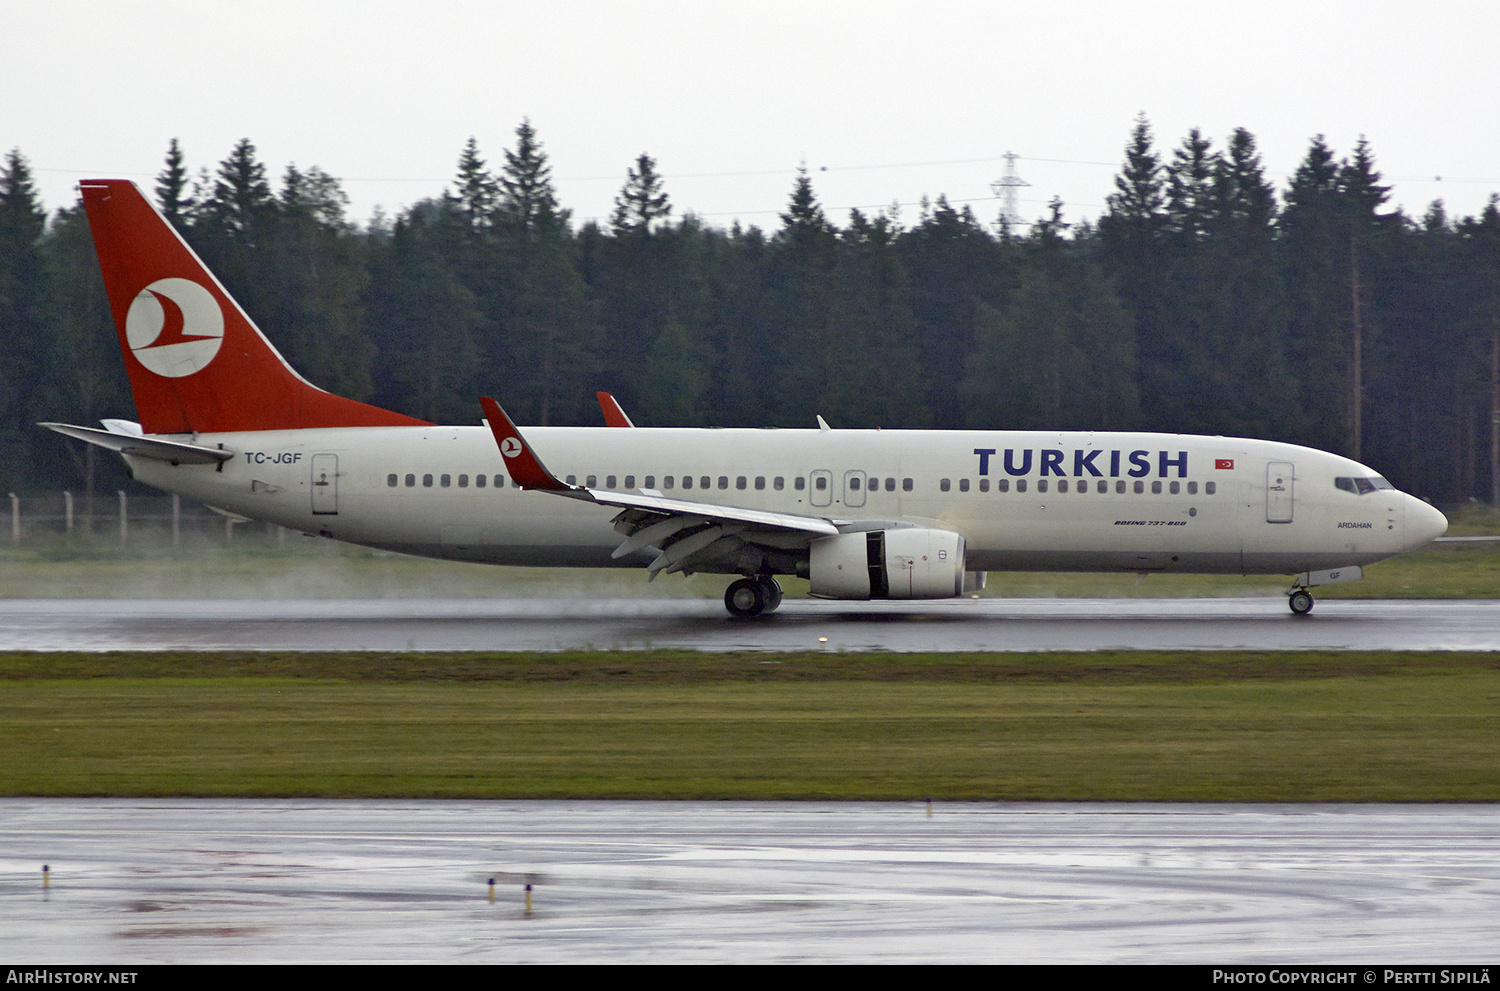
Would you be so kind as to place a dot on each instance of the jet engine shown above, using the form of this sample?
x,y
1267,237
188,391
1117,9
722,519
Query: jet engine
x,y
901,563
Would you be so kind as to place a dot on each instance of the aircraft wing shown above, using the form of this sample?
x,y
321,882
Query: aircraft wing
x,y
687,534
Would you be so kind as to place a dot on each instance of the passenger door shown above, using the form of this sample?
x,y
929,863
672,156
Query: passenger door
x,y
1279,479
325,484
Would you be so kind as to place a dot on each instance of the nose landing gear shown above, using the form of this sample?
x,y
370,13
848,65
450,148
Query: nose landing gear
x,y
1300,601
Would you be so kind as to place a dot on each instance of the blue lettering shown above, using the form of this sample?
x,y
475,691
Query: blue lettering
x,y
1011,469
1180,461
1114,464
1141,462
1052,463
984,458
1080,463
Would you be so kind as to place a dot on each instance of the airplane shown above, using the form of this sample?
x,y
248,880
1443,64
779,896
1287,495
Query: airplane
x,y
861,514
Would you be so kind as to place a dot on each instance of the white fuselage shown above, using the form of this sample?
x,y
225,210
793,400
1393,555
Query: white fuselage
x,y
1022,500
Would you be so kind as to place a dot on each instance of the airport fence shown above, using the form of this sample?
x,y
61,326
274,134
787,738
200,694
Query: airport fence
x,y
124,520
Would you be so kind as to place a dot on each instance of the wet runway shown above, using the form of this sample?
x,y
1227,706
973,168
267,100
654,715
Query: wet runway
x,y
701,624
142,881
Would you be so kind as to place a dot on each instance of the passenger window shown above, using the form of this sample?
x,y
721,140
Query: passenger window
x,y
499,481
1020,485
571,479
479,480
592,481
1002,485
1102,487
1192,488
799,483
609,482
630,481
890,485
723,481
411,480
945,485
390,480
1120,487
666,481
906,485
1140,487
446,481
1041,485
1156,488
463,481
760,483
427,481
778,483
821,483
687,481
963,485
741,482
1209,488
1175,487
1062,485
704,482
984,485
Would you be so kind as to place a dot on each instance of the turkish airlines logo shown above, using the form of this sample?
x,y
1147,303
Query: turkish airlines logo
x,y
510,447
174,327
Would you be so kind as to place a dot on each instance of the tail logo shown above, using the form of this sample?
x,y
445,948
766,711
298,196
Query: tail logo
x,y
174,327
510,447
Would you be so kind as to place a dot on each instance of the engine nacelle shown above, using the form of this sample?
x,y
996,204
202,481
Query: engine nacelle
x,y
903,563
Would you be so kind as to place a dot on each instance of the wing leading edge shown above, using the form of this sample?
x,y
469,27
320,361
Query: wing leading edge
x,y
689,536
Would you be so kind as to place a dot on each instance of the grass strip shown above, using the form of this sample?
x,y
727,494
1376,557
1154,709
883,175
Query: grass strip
x,y
1115,725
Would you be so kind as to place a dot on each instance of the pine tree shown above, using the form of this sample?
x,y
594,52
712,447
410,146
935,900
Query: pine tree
x,y
642,201
172,193
241,196
22,315
528,207
476,191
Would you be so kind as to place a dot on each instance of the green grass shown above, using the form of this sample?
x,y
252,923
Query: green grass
x,y
1109,726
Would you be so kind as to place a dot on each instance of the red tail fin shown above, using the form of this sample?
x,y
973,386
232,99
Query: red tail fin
x,y
197,363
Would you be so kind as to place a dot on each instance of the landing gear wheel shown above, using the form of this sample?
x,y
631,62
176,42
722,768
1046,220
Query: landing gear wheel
x,y
1301,602
745,598
773,592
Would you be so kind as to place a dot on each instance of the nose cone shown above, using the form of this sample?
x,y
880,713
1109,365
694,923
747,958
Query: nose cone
x,y
1423,524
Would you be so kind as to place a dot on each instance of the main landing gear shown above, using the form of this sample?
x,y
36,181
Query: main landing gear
x,y
747,598
1301,601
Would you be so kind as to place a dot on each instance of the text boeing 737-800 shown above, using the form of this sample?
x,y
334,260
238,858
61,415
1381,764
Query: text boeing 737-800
x,y
862,514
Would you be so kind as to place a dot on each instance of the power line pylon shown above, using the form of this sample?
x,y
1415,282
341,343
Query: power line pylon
x,y
1005,188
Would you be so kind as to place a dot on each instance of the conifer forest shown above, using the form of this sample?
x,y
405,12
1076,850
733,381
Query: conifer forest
x,y
1205,299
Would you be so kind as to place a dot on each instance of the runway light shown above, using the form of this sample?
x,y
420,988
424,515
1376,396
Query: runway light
x,y
929,807
492,891
46,876
528,901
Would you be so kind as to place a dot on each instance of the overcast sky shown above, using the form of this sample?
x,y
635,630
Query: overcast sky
x,y
884,101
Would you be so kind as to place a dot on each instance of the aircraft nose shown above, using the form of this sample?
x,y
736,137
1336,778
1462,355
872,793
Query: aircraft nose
x,y
1423,523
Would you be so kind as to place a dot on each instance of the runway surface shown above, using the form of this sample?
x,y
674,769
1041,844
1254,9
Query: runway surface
x,y
698,624
141,881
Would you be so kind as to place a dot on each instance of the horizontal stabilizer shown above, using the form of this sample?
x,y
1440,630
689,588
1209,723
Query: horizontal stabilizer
x,y
137,445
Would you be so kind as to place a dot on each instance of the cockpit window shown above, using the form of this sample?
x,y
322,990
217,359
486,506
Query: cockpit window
x,y
1362,486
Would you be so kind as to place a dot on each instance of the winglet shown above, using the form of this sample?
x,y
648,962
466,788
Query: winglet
x,y
525,469
614,414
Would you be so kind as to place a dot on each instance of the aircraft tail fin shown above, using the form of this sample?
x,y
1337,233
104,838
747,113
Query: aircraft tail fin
x,y
197,363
